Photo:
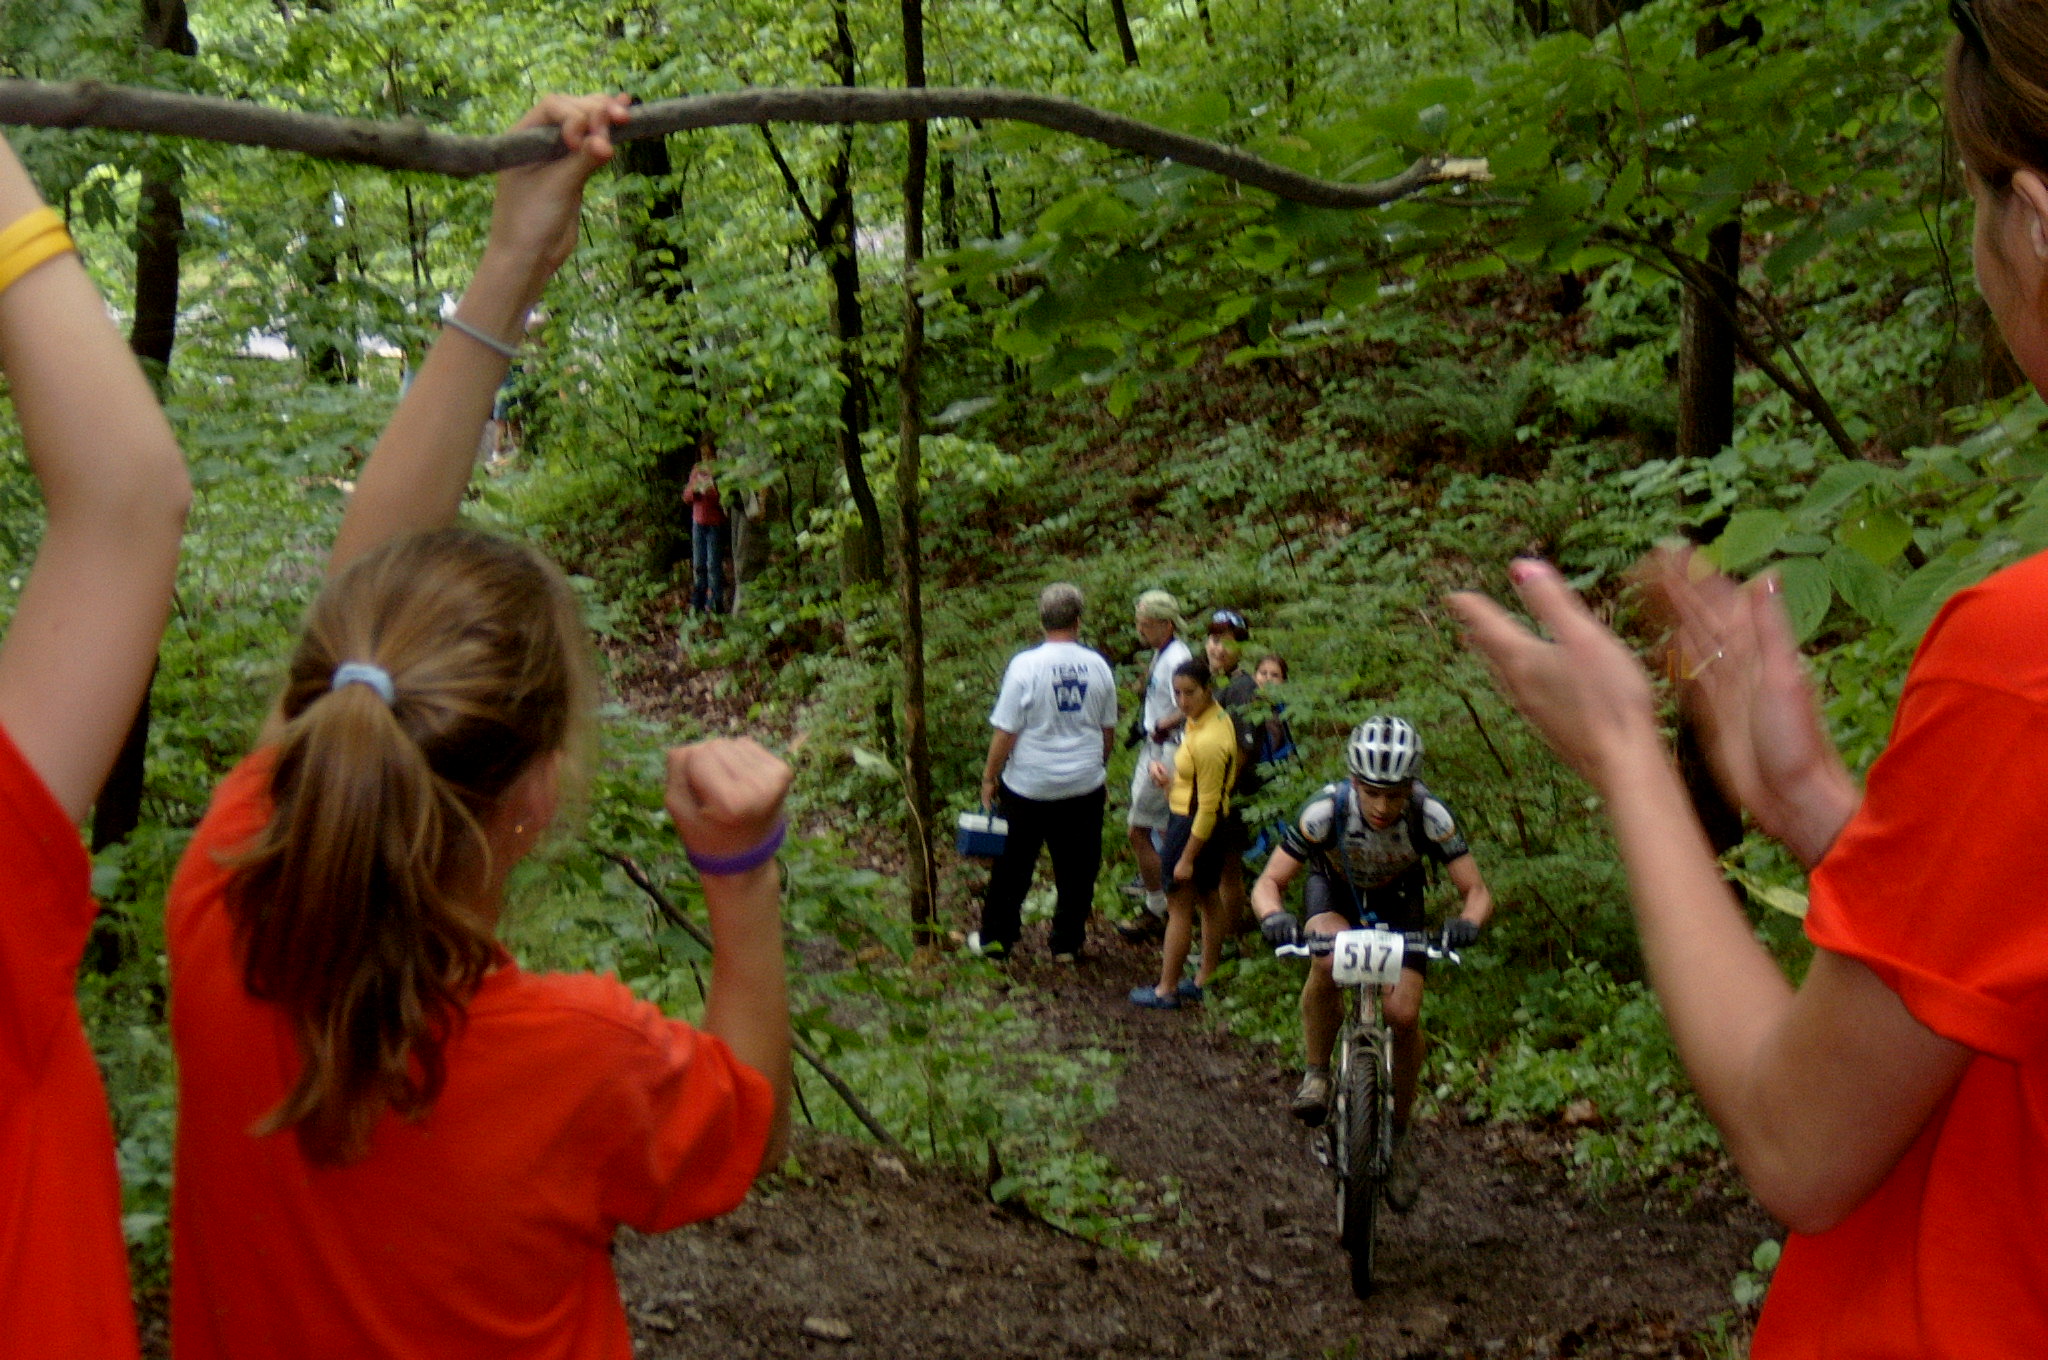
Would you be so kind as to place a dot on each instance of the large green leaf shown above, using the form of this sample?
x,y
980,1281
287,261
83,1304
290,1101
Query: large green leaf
x,y
1750,537
1837,483
1863,585
1880,535
1807,594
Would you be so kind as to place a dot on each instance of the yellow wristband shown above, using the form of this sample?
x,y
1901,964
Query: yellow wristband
x,y
27,257
27,227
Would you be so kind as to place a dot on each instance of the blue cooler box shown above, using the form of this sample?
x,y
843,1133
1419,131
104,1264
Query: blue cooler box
x,y
980,835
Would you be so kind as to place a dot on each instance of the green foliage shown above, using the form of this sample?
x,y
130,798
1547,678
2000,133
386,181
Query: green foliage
x,y
1751,1284
1590,1051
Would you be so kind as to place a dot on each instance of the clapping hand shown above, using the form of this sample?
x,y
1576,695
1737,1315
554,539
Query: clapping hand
x,y
1740,675
1583,689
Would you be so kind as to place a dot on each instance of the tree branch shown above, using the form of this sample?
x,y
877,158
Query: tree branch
x,y
796,189
410,145
1699,276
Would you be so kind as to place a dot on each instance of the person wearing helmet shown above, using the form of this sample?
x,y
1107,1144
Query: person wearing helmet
x,y
1365,841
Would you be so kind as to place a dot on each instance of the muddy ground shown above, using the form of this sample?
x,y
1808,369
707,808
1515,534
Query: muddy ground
x,y
866,1257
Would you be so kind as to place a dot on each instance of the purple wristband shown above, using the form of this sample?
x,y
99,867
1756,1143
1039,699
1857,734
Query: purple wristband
x,y
717,866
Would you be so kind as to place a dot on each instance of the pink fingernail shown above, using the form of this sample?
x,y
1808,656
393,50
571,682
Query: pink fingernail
x,y
1522,569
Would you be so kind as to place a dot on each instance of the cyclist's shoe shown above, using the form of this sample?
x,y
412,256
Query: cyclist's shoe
x,y
1148,997
1404,1179
1189,990
1312,1098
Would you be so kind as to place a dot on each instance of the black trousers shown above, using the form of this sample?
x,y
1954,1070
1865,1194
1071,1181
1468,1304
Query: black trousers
x,y
1071,828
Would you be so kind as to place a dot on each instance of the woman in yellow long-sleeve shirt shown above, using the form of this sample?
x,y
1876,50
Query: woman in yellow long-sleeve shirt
x,y
1203,772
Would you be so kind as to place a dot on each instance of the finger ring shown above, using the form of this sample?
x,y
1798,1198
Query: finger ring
x,y
1694,673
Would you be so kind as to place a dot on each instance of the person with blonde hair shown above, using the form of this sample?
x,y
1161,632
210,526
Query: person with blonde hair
x,y
1890,1109
393,1140
74,664
1155,731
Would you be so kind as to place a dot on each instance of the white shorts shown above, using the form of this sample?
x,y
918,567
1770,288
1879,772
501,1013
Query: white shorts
x,y
1148,800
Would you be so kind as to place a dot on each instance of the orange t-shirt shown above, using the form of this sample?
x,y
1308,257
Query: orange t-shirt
x,y
1936,886
63,1270
483,1229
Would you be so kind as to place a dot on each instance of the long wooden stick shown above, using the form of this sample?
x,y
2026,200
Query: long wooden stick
x,y
803,1050
411,145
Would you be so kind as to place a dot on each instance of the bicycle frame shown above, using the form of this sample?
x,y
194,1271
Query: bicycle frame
x,y
1364,1037
1356,1144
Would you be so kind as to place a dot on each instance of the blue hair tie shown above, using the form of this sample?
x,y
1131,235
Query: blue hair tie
x,y
363,673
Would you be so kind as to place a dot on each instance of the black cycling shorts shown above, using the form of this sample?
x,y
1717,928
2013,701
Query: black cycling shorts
x,y
1397,906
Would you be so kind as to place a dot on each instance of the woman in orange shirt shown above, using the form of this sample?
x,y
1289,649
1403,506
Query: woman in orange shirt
x,y
392,1139
73,667
1892,1110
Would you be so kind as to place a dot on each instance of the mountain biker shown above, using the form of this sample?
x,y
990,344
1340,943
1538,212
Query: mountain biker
x,y
1364,842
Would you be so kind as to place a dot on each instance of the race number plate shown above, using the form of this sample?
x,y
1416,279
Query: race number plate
x,y
1358,957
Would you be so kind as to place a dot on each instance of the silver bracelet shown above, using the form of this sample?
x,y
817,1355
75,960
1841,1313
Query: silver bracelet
x,y
490,342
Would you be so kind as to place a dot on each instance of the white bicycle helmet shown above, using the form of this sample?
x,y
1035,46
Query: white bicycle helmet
x,y
1384,750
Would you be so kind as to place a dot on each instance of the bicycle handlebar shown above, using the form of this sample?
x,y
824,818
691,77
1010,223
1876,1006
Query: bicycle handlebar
x,y
1429,944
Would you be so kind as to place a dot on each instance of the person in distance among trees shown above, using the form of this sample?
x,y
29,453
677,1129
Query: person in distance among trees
x,y
392,1139
708,532
1891,1110
1365,843
1054,721
74,664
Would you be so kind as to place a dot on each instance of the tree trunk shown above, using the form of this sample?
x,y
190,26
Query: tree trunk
x,y
1706,350
660,274
159,232
909,501
751,541
841,243
949,205
1707,319
1119,10
320,276
1591,17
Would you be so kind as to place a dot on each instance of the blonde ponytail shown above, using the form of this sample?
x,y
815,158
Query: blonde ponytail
x,y
357,907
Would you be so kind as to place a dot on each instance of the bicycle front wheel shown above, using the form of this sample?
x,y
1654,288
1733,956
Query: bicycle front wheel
x,y
1360,1165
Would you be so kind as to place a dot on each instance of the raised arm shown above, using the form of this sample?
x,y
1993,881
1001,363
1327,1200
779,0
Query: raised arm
x,y
1817,1092
77,655
417,473
726,799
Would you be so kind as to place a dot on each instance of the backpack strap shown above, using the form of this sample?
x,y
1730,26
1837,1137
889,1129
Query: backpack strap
x,y
1418,832
1340,823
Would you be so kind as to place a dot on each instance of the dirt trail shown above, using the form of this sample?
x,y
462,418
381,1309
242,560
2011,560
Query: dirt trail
x,y
864,1257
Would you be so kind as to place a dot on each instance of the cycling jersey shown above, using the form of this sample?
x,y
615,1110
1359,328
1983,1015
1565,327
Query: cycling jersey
x,y
1333,838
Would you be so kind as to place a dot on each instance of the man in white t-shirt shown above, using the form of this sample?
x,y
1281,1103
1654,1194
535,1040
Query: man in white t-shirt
x,y
1054,721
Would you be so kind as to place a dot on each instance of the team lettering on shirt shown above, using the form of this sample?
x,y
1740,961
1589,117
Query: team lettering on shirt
x,y
1069,686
